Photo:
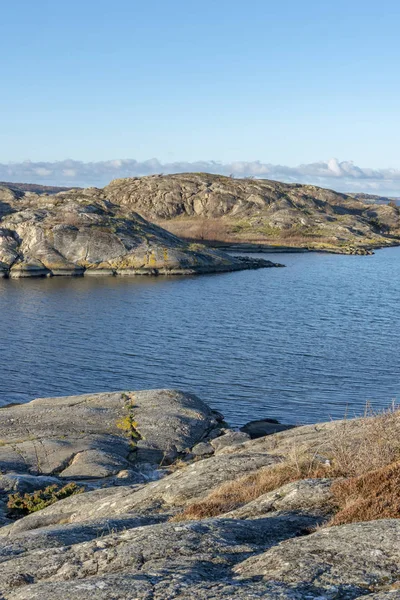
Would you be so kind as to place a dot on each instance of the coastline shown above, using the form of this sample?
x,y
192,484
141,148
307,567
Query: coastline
x,y
269,249
239,263
149,494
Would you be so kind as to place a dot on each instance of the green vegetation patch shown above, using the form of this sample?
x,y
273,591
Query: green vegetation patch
x,y
21,505
128,424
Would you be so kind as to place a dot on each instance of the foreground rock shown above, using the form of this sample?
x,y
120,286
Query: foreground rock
x,y
118,542
80,232
98,435
344,561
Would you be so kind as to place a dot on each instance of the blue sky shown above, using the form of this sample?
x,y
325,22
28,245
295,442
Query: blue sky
x,y
283,83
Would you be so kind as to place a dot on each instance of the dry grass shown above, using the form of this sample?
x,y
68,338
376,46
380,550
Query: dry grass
x,y
233,494
360,457
375,495
220,230
200,229
373,445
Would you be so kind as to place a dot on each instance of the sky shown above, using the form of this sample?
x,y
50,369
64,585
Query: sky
x,y
297,90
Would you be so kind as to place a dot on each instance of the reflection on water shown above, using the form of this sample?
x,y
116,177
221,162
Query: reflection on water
x,y
300,344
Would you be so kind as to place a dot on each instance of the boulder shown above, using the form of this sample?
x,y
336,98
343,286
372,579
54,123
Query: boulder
x,y
203,449
256,429
231,438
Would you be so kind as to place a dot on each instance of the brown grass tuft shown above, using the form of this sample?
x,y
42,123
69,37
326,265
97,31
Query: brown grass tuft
x,y
375,495
233,494
359,451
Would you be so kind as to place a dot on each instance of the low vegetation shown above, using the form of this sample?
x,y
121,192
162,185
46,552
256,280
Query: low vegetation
x,y
375,495
365,463
236,493
128,424
20,505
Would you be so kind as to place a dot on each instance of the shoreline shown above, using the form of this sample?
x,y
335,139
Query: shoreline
x,y
267,249
241,264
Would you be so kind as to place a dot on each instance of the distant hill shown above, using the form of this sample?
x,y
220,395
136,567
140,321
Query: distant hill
x,y
34,187
375,199
224,210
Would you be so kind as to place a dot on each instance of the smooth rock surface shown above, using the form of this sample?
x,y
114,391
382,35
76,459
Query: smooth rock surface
x,y
309,496
89,436
173,491
169,554
232,438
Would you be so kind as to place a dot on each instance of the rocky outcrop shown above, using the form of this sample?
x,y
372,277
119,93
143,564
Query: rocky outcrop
x,y
241,211
118,541
82,233
98,435
344,561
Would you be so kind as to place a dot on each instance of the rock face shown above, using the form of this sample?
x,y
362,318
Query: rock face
x,y
241,211
81,232
117,542
98,435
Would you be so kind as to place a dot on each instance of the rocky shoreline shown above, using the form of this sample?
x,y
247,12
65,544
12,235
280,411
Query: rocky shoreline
x,y
142,461
35,270
80,232
267,249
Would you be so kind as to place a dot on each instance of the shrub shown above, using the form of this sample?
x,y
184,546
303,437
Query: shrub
x,y
21,505
375,495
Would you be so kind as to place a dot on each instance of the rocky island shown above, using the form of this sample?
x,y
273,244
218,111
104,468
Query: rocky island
x,y
80,232
162,500
259,213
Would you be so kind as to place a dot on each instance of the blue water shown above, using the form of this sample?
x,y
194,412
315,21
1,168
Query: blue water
x,y
301,344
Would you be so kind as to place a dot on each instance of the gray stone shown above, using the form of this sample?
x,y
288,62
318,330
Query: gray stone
x,y
170,554
232,438
176,490
118,542
23,483
202,449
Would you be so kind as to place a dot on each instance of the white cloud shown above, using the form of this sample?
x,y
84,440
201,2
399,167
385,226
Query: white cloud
x,y
340,175
42,172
